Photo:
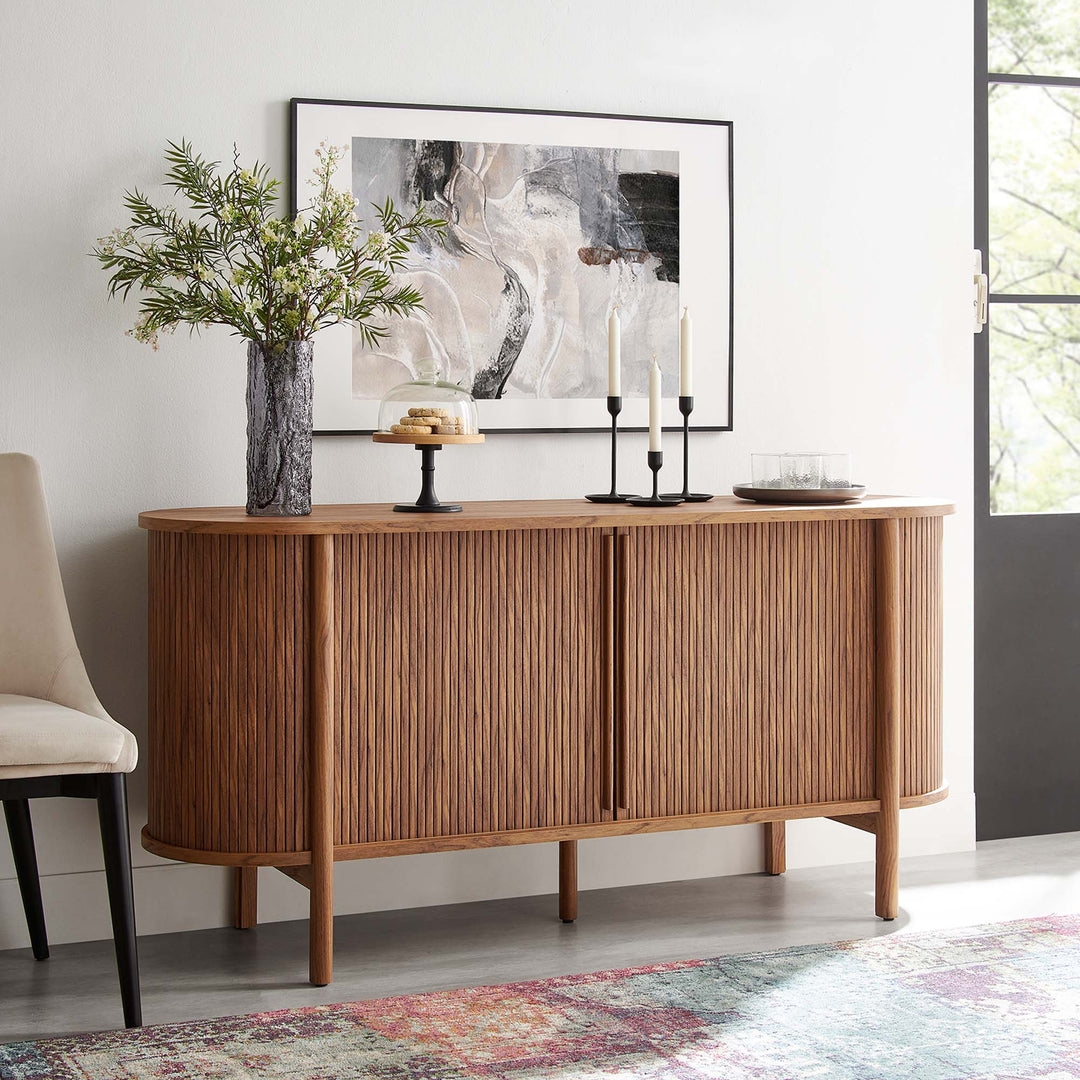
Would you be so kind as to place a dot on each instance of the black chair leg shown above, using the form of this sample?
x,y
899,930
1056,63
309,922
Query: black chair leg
x,y
115,844
21,832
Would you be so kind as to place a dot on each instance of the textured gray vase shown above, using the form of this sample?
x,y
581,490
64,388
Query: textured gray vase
x,y
279,429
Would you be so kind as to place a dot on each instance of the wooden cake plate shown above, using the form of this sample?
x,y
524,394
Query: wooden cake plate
x,y
425,440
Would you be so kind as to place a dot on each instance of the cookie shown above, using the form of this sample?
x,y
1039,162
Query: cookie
x,y
449,429
429,412
411,429
429,421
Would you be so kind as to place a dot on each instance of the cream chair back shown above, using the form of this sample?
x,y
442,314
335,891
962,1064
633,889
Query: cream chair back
x,y
38,654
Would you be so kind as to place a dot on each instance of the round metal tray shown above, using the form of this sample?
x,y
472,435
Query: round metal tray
x,y
799,495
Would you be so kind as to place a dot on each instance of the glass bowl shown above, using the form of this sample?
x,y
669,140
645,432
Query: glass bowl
x,y
801,470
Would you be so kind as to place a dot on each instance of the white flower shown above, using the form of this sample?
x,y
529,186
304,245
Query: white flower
x,y
203,273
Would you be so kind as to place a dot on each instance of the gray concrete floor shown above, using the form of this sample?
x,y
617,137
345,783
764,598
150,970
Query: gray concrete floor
x,y
225,972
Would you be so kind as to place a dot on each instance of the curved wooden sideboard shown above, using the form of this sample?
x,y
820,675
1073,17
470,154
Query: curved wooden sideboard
x,y
360,683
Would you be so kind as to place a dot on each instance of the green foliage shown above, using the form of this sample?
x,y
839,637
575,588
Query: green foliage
x,y
1035,408
1036,37
1035,248
271,279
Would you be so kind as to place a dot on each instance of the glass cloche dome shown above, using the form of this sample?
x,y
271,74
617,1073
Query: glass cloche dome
x,y
428,406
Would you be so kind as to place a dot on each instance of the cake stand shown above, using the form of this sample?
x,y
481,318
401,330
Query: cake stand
x,y
428,503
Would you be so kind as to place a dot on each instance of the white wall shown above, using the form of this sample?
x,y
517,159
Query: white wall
x,y
853,232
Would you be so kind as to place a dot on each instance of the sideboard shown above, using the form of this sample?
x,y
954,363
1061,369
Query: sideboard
x,y
360,683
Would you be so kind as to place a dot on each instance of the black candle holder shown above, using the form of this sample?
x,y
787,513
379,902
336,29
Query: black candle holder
x,y
686,407
428,503
614,407
656,461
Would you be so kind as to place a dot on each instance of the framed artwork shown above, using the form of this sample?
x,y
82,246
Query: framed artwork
x,y
554,219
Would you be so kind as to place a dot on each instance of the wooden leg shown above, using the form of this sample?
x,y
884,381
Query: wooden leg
x,y
775,847
21,833
116,847
245,897
568,880
887,739
321,763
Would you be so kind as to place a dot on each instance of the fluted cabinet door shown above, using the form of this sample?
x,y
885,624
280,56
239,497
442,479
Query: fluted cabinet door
x,y
228,704
468,682
749,666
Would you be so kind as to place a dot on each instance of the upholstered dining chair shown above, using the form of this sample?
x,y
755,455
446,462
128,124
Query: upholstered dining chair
x,y
55,737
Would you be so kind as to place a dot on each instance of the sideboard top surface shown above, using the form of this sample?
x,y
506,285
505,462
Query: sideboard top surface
x,y
529,514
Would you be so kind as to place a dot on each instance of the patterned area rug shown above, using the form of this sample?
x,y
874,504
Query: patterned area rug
x,y
999,1002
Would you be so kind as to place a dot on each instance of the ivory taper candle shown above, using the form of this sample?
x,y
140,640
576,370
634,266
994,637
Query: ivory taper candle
x,y
686,359
655,404
614,354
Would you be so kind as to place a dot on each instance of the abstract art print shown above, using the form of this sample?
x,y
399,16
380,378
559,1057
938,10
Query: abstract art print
x,y
553,220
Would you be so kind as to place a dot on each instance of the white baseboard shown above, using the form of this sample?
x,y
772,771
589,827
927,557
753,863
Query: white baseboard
x,y
176,896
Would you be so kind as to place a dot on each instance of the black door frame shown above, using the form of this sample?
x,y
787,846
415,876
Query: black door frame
x,y
1027,592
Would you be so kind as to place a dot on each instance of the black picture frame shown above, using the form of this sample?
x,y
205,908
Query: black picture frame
x,y
600,428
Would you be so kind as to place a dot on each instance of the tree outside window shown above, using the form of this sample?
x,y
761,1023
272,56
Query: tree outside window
x,y
1034,257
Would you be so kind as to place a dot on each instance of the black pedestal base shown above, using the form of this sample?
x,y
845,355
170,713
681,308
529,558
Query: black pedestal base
x,y
428,503
437,508
607,497
690,496
655,500
656,461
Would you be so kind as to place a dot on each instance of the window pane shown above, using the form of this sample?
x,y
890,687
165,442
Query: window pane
x,y
1034,189
1034,37
1034,408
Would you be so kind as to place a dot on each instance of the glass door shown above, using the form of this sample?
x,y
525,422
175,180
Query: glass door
x,y
1027,535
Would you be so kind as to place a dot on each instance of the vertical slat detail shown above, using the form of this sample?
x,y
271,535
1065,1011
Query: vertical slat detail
x,y
607,672
621,669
